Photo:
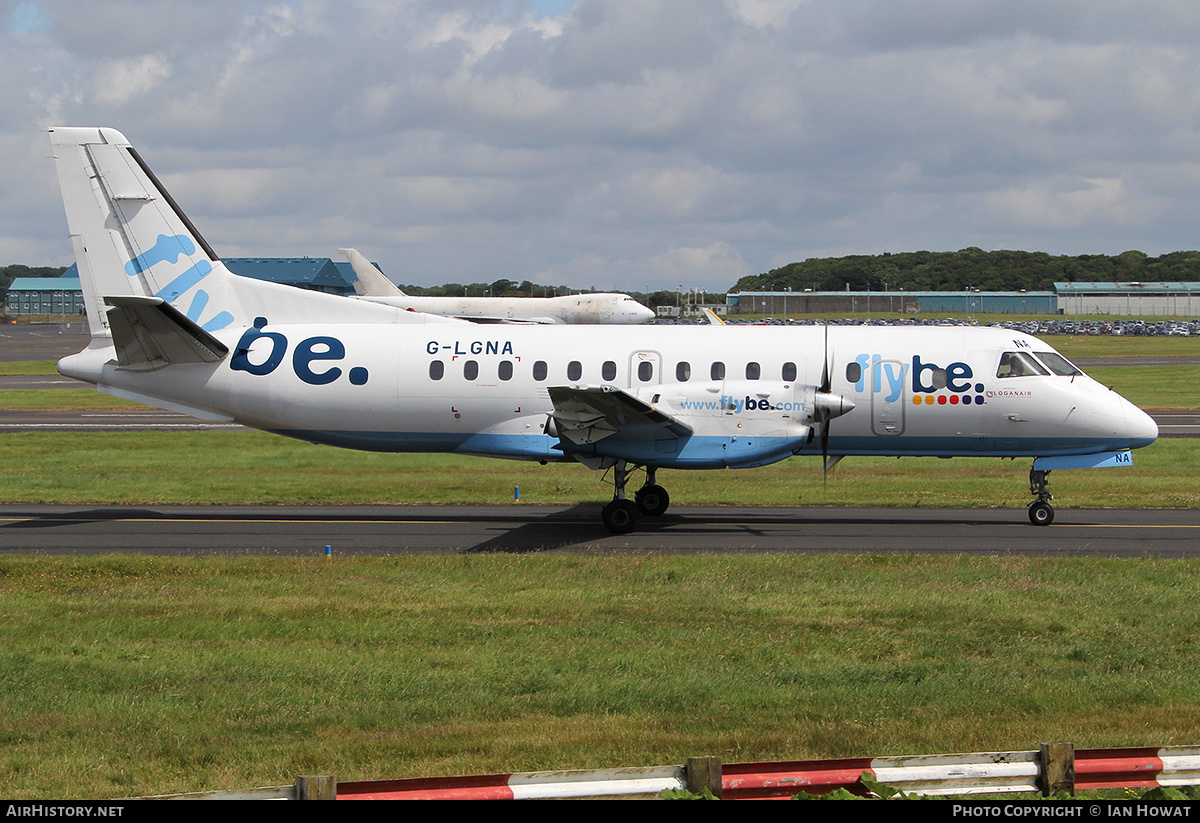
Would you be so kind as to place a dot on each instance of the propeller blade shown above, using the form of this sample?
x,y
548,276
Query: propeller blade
x,y
826,376
826,384
825,450
827,407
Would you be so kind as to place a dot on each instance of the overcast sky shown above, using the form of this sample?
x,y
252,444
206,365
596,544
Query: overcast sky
x,y
619,144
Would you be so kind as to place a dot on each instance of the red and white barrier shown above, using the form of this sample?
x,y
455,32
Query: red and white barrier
x,y
530,785
942,774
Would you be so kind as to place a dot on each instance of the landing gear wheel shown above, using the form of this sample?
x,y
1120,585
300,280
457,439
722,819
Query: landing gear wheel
x,y
652,500
1041,513
620,516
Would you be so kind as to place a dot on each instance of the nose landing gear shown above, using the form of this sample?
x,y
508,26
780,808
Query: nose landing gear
x,y
1041,513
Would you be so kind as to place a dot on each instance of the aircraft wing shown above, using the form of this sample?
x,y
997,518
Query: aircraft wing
x,y
149,333
588,414
508,321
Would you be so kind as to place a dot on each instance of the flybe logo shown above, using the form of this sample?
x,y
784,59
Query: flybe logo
x,y
925,379
168,249
307,357
729,403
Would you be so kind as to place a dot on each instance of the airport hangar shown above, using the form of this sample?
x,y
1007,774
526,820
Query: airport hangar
x,y
1070,299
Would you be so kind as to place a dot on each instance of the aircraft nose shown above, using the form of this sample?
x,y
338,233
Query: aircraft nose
x,y
1142,429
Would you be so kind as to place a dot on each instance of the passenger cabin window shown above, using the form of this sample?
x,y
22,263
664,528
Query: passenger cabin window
x,y
683,371
437,369
1019,364
539,370
645,371
853,372
788,372
505,370
753,371
609,370
471,369
717,372
574,370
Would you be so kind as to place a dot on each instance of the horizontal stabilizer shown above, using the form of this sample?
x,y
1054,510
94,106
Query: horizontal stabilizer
x,y
189,409
589,414
149,333
508,321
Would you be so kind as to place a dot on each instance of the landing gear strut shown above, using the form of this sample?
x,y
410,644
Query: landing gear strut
x,y
621,514
1041,513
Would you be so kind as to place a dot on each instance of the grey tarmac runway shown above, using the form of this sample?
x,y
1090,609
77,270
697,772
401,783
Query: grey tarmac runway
x,y
408,530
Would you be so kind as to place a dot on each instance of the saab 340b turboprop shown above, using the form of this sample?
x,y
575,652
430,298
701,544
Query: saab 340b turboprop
x,y
172,327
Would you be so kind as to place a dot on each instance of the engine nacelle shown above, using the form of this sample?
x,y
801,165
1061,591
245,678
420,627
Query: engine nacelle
x,y
710,407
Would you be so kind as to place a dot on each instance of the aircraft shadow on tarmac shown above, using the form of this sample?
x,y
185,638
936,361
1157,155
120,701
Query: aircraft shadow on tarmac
x,y
57,519
570,528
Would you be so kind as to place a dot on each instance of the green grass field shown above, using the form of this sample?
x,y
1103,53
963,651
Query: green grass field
x,y
129,676
254,467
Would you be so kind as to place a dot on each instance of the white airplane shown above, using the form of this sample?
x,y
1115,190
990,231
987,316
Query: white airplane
x,y
603,308
172,327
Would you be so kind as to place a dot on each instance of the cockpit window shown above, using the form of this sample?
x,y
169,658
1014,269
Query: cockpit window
x,y
1019,364
1057,363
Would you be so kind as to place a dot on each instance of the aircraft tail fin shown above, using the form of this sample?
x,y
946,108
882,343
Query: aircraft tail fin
x,y
130,237
132,240
370,281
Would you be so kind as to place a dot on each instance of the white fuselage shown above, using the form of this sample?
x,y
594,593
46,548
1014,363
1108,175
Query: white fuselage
x,y
747,393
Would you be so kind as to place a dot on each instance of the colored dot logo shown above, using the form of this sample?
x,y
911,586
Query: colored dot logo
x,y
950,399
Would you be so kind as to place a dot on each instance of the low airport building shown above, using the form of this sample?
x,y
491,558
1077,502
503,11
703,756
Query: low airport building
x,y
1129,299
1070,299
45,295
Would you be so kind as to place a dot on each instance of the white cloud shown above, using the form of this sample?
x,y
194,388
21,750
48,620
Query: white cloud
x,y
122,80
766,13
698,267
617,142
1053,205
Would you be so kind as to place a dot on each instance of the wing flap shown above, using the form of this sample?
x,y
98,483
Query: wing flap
x,y
585,415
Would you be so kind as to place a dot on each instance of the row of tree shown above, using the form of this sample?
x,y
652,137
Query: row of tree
x,y
972,268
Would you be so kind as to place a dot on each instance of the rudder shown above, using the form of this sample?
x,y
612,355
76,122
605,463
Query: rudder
x,y
129,236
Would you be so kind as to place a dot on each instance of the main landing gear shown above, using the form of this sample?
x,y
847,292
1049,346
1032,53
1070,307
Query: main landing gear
x,y
1041,513
621,515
